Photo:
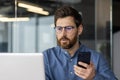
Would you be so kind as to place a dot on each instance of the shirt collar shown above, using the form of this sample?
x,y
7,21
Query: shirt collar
x,y
75,54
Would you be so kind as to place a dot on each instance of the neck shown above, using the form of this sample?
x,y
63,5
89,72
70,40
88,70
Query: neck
x,y
72,50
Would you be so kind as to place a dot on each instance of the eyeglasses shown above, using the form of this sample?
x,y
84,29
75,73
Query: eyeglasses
x,y
68,29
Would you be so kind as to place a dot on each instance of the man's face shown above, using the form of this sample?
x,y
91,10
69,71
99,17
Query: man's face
x,y
66,32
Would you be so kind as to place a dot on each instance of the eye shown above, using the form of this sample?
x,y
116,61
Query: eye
x,y
59,28
69,27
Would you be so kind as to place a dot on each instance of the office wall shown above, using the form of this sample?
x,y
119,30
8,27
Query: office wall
x,y
116,54
116,37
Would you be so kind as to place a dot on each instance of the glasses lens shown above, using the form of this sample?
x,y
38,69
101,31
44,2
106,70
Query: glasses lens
x,y
58,29
67,28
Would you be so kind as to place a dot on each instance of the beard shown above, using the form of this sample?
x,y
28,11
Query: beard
x,y
66,43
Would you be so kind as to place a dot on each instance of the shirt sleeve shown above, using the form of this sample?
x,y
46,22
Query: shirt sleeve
x,y
104,72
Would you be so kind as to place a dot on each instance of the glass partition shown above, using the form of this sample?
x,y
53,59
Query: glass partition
x,y
7,13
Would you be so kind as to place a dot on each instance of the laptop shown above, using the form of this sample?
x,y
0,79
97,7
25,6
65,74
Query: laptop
x,y
21,66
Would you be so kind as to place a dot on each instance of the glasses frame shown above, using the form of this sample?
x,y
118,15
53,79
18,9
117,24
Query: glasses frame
x,y
67,29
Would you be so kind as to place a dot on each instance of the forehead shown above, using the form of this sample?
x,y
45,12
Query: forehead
x,y
66,21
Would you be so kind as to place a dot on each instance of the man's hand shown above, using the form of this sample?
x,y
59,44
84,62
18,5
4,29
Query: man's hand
x,y
86,74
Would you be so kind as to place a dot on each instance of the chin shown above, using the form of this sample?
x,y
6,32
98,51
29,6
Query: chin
x,y
66,46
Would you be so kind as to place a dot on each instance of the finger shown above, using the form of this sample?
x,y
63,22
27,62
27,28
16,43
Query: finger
x,y
82,75
83,64
79,69
79,74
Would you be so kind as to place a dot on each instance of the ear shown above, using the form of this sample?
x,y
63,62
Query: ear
x,y
80,29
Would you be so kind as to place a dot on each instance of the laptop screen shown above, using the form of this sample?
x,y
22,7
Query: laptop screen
x,y
21,66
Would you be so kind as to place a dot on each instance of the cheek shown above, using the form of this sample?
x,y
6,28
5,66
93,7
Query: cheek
x,y
58,36
73,35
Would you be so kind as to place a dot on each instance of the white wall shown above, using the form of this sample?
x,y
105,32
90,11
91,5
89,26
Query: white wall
x,y
116,54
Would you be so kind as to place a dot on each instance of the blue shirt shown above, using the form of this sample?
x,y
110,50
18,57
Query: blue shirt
x,y
59,64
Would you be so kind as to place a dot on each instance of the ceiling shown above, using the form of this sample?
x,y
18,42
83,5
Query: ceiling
x,y
7,8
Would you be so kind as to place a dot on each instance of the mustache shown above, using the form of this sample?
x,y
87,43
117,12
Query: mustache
x,y
64,38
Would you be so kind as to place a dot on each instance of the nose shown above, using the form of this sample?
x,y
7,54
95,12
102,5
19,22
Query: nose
x,y
63,32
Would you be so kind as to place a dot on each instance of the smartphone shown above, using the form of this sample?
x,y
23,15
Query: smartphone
x,y
84,57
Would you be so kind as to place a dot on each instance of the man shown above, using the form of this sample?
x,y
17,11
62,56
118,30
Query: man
x,y
60,61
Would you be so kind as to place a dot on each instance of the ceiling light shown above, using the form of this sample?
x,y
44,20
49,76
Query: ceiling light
x,y
32,8
6,19
39,11
28,6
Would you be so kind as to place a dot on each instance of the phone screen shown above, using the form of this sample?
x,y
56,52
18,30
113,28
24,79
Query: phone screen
x,y
84,57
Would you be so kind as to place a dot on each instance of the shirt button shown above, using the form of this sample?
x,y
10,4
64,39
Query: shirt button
x,y
71,72
71,60
65,52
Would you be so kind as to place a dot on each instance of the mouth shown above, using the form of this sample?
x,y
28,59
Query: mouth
x,y
64,40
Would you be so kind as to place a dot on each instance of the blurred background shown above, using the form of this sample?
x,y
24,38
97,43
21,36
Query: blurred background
x,y
27,26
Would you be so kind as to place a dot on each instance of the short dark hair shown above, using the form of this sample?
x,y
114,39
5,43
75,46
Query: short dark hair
x,y
65,11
